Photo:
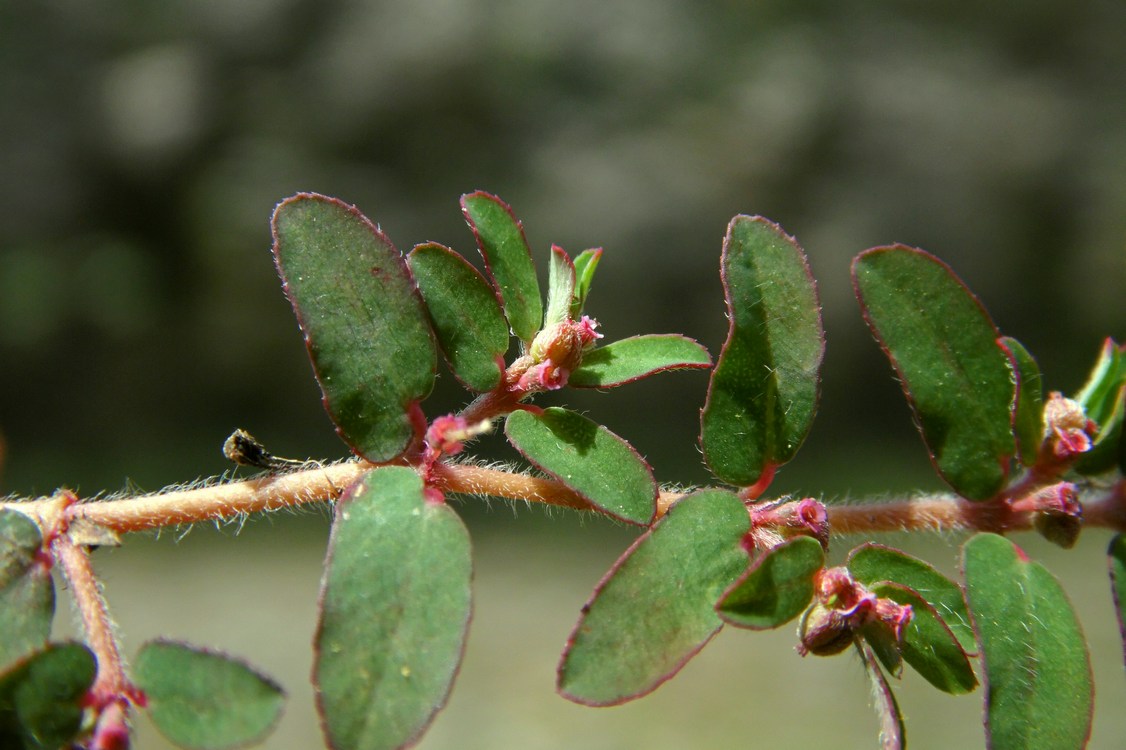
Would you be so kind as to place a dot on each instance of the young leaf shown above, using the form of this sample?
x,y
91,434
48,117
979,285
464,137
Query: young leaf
x,y
202,699
944,348
1037,671
763,391
27,594
893,735
42,697
655,609
1117,558
363,321
928,643
586,263
1107,449
871,562
777,588
1098,394
463,308
560,287
509,260
395,606
589,459
637,357
1028,406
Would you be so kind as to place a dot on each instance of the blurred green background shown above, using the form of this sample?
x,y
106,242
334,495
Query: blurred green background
x,y
143,146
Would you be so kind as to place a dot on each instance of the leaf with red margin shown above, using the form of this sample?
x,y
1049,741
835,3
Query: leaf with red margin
x,y
1028,406
364,323
763,391
1039,689
638,357
27,593
893,735
500,237
394,611
655,609
776,588
944,349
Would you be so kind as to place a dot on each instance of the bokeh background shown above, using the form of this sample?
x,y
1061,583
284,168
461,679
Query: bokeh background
x,y
143,146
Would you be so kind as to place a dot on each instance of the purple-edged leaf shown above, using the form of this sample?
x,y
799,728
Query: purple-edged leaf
x,y
1039,692
27,595
560,287
637,357
777,588
589,459
655,609
763,391
871,562
943,346
395,606
586,263
1117,558
463,309
893,735
1028,406
42,698
364,323
928,644
203,699
500,236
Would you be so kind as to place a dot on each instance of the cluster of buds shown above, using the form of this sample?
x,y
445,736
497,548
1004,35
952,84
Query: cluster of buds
x,y
447,435
555,352
774,521
842,607
1067,430
1057,512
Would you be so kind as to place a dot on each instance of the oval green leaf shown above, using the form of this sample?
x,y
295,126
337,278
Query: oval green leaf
x,y
395,606
637,357
655,609
42,698
202,699
508,259
928,644
1117,558
763,391
1028,406
27,594
777,588
588,458
463,308
1037,671
944,349
871,562
364,323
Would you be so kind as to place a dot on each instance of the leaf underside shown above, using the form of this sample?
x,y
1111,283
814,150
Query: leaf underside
x,y
395,607
655,609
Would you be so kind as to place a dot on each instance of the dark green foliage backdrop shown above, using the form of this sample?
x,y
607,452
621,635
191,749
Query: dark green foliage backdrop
x,y
144,146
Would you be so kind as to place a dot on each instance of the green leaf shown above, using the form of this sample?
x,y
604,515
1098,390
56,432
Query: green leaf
x,y
1106,449
763,391
655,609
777,588
870,563
202,699
509,260
465,314
588,458
928,643
1117,557
893,735
395,605
1028,407
944,349
1037,671
27,594
1099,393
560,287
42,697
637,357
586,263
364,323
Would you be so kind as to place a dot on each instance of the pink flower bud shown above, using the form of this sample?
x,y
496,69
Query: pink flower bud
x,y
1066,427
